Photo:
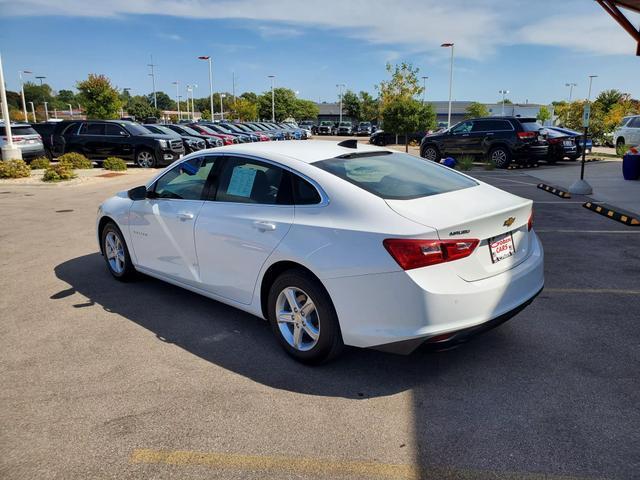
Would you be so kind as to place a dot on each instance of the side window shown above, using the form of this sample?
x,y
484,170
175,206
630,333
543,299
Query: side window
x,y
303,192
92,129
464,127
634,123
185,181
251,181
481,126
115,130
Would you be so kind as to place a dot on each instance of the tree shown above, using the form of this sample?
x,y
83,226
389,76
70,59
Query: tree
x,y
369,108
285,104
252,97
140,108
14,100
244,109
476,110
543,114
351,105
164,101
37,94
99,98
205,114
506,102
305,109
66,96
404,115
403,83
608,98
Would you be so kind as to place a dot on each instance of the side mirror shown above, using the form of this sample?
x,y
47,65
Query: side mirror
x,y
137,193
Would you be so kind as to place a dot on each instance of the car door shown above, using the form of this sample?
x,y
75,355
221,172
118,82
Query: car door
x,y
633,129
119,140
92,139
458,139
240,227
162,226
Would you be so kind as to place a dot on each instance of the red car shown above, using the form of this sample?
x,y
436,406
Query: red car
x,y
202,129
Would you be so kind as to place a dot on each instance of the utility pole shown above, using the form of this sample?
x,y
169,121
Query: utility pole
x,y
24,103
581,186
153,82
449,45
340,86
273,100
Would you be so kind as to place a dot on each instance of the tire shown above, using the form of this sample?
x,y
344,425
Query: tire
x,y
431,153
573,158
322,320
145,158
500,156
120,265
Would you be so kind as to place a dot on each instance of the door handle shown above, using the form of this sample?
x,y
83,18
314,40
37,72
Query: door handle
x,y
489,134
264,226
465,134
185,216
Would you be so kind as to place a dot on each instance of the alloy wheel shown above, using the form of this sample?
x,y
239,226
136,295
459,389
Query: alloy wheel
x,y
114,251
145,159
430,153
499,157
298,319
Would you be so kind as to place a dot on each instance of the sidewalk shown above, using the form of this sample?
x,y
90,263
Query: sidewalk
x,y
605,177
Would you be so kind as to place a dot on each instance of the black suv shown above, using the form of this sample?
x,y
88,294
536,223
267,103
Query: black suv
x,y
500,139
99,139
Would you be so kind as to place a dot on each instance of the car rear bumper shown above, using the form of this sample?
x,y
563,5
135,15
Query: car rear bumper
x,y
398,311
535,152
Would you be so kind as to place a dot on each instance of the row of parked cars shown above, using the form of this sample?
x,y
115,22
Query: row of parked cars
x,y
148,145
328,127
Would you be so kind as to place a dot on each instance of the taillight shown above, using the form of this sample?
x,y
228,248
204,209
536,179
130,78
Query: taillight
x,y
530,222
415,253
554,140
526,135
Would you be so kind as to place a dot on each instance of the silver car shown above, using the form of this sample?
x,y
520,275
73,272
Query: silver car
x,y
628,132
25,138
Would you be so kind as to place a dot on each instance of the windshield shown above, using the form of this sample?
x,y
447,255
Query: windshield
x,y
396,176
189,131
345,124
326,123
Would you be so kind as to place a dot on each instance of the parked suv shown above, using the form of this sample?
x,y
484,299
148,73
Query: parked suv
x,y
628,132
25,138
345,128
501,139
99,139
326,127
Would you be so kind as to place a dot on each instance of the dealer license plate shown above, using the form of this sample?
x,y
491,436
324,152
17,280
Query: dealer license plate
x,y
501,247
568,143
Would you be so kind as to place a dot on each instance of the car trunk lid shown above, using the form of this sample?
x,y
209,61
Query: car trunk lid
x,y
482,212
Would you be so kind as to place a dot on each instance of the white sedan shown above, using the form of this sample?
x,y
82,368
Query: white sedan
x,y
333,243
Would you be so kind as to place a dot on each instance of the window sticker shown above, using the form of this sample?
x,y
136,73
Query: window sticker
x,y
241,182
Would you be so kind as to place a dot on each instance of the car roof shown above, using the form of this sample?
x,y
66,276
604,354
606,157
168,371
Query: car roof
x,y
308,151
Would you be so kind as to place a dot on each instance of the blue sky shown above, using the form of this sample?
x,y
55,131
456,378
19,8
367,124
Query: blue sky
x,y
310,50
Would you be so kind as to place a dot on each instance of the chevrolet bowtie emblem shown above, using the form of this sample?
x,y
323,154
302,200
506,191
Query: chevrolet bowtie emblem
x,y
509,221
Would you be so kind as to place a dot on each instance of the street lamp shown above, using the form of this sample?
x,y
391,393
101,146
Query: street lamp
x,y
177,84
124,90
570,85
24,104
424,88
41,77
222,95
153,82
503,92
447,45
190,89
208,58
340,86
273,99
33,112
581,186
9,150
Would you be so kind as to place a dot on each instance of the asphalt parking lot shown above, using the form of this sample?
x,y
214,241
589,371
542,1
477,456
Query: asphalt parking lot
x,y
145,380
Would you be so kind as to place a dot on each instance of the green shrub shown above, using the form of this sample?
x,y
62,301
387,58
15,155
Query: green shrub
x,y
622,149
14,169
40,162
56,173
75,160
465,162
114,163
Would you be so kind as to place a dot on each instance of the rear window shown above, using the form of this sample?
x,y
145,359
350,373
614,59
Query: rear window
x,y
27,130
530,125
396,176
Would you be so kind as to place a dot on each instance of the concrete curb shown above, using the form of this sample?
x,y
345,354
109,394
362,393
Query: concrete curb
x,y
622,216
555,191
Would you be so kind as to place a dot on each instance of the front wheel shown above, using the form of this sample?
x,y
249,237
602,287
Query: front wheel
x,y
500,157
303,318
431,153
146,159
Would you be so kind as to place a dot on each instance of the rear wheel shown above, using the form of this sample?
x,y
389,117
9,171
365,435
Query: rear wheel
x,y
145,158
116,253
500,156
303,318
431,153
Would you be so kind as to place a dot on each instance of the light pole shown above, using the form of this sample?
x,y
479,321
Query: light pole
x,y
503,92
208,58
340,86
222,95
581,186
33,112
46,111
424,88
8,149
153,82
70,111
124,91
41,77
570,85
273,100
55,113
451,45
24,103
177,84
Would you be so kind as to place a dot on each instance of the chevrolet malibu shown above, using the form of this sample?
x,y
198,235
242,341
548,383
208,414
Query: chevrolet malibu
x,y
332,243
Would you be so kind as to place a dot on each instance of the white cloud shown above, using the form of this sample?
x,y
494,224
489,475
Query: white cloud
x,y
418,26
